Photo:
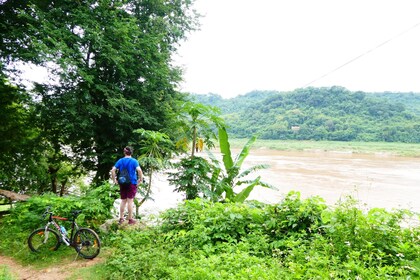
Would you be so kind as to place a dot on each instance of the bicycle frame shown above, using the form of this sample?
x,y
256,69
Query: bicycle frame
x,y
66,239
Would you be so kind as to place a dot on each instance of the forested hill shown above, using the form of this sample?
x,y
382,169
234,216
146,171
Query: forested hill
x,y
321,114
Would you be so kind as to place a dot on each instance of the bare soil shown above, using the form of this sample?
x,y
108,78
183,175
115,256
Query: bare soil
x,y
61,272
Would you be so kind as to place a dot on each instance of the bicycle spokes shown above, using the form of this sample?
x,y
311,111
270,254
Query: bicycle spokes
x,y
87,243
41,240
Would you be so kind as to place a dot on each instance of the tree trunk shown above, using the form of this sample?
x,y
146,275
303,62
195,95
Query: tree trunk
x,y
149,187
63,187
53,173
194,141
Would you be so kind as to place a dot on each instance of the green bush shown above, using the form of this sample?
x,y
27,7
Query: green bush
x,y
96,204
201,224
141,255
294,216
304,238
149,255
232,265
376,238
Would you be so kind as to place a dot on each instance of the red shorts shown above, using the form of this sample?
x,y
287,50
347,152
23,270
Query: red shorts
x,y
128,191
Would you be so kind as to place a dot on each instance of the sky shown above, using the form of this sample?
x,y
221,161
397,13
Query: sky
x,y
282,45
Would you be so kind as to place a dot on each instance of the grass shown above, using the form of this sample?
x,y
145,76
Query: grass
x,y
4,210
398,149
95,272
5,273
4,207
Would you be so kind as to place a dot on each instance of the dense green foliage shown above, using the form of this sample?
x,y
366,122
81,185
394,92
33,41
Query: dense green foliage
x,y
295,239
97,205
191,176
19,140
200,239
110,72
322,114
410,100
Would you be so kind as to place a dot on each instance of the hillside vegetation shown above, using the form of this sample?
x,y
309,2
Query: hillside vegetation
x,y
334,113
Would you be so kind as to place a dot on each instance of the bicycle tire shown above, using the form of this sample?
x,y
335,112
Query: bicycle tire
x,y
39,242
87,243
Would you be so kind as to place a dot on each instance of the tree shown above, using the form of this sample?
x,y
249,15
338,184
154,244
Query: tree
x,y
196,121
156,149
193,177
14,123
22,162
111,61
199,121
322,114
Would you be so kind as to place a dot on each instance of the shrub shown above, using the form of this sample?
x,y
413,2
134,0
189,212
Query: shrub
x,y
199,223
293,216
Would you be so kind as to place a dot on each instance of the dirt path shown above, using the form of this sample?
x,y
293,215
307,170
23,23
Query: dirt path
x,y
52,273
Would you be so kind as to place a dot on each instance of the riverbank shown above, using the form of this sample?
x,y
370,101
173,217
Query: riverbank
x,y
398,149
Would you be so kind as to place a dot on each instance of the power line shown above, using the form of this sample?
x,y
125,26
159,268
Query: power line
x,y
363,54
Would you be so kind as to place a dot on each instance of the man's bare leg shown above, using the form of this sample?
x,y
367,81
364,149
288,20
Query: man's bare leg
x,y
122,208
130,202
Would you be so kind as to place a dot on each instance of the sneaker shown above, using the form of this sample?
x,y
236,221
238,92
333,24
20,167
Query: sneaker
x,y
120,221
132,222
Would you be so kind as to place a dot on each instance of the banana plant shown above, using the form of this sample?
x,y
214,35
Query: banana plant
x,y
228,178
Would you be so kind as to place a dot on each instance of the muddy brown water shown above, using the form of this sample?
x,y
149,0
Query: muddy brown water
x,y
375,180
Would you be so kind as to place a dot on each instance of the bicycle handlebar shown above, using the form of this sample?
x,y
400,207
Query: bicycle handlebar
x,y
76,213
48,211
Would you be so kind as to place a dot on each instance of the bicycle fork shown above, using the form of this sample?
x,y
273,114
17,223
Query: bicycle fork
x,y
64,238
46,233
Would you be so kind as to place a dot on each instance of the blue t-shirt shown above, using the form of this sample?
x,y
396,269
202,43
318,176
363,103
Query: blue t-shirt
x,y
130,164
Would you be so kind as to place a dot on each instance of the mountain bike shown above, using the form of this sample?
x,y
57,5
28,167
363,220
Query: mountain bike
x,y
49,238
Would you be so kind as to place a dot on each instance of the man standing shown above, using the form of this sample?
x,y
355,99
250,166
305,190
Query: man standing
x,y
127,192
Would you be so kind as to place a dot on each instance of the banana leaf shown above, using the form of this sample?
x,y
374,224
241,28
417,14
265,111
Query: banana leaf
x,y
225,148
245,152
240,197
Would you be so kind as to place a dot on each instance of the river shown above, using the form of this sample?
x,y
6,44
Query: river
x,y
375,180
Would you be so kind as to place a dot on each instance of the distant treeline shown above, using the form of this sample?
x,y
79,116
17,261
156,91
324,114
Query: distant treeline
x,y
333,113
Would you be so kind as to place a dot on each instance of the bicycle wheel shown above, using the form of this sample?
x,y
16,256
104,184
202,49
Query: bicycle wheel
x,y
43,241
87,243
